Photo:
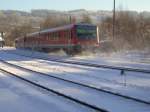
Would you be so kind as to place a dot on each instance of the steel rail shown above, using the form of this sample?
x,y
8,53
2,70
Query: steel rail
x,y
80,84
122,69
56,92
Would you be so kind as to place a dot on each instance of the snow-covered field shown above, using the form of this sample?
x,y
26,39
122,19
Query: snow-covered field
x,y
136,85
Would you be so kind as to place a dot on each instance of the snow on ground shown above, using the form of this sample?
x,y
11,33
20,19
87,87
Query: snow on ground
x,y
100,99
134,59
133,84
126,59
18,96
138,84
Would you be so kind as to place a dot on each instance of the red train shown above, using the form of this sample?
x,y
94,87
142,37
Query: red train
x,y
71,38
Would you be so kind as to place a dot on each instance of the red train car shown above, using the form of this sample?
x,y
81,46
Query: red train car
x,y
72,38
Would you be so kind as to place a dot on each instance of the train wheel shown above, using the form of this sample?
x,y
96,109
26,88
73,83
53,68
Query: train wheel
x,y
69,51
78,49
45,50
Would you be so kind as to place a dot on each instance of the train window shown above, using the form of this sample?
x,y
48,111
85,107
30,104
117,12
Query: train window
x,y
54,35
86,32
62,34
50,35
47,35
67,34
57,36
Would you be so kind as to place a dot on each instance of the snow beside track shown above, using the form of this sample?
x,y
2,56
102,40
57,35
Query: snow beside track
x,y
134,59
18,96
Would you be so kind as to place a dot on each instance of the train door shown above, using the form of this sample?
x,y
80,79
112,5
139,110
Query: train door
x,y
68,35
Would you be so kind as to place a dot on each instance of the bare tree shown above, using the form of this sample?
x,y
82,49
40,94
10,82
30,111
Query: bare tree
x,y
86,19
54,21
16,32
132,30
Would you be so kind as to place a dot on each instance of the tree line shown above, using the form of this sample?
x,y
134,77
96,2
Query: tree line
x,y
131,31
49,22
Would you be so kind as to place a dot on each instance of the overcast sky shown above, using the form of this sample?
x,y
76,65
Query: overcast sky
x,y
65,5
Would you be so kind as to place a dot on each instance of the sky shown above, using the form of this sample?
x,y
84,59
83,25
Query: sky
x,y
65,5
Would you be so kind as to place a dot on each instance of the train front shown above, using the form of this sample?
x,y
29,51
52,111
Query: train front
x,y
87,36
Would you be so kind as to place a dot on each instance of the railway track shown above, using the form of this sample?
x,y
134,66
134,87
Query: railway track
x,y
103,88
37,65
32,98
122,69
80,84
95,108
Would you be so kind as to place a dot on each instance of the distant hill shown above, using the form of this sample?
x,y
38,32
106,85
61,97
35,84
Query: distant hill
x,y
10,18
14,17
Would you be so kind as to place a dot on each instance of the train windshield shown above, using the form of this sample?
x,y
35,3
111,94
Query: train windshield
x,y
86,31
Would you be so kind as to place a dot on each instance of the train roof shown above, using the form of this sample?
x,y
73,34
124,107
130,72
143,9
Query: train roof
x,y
57,29
52,29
